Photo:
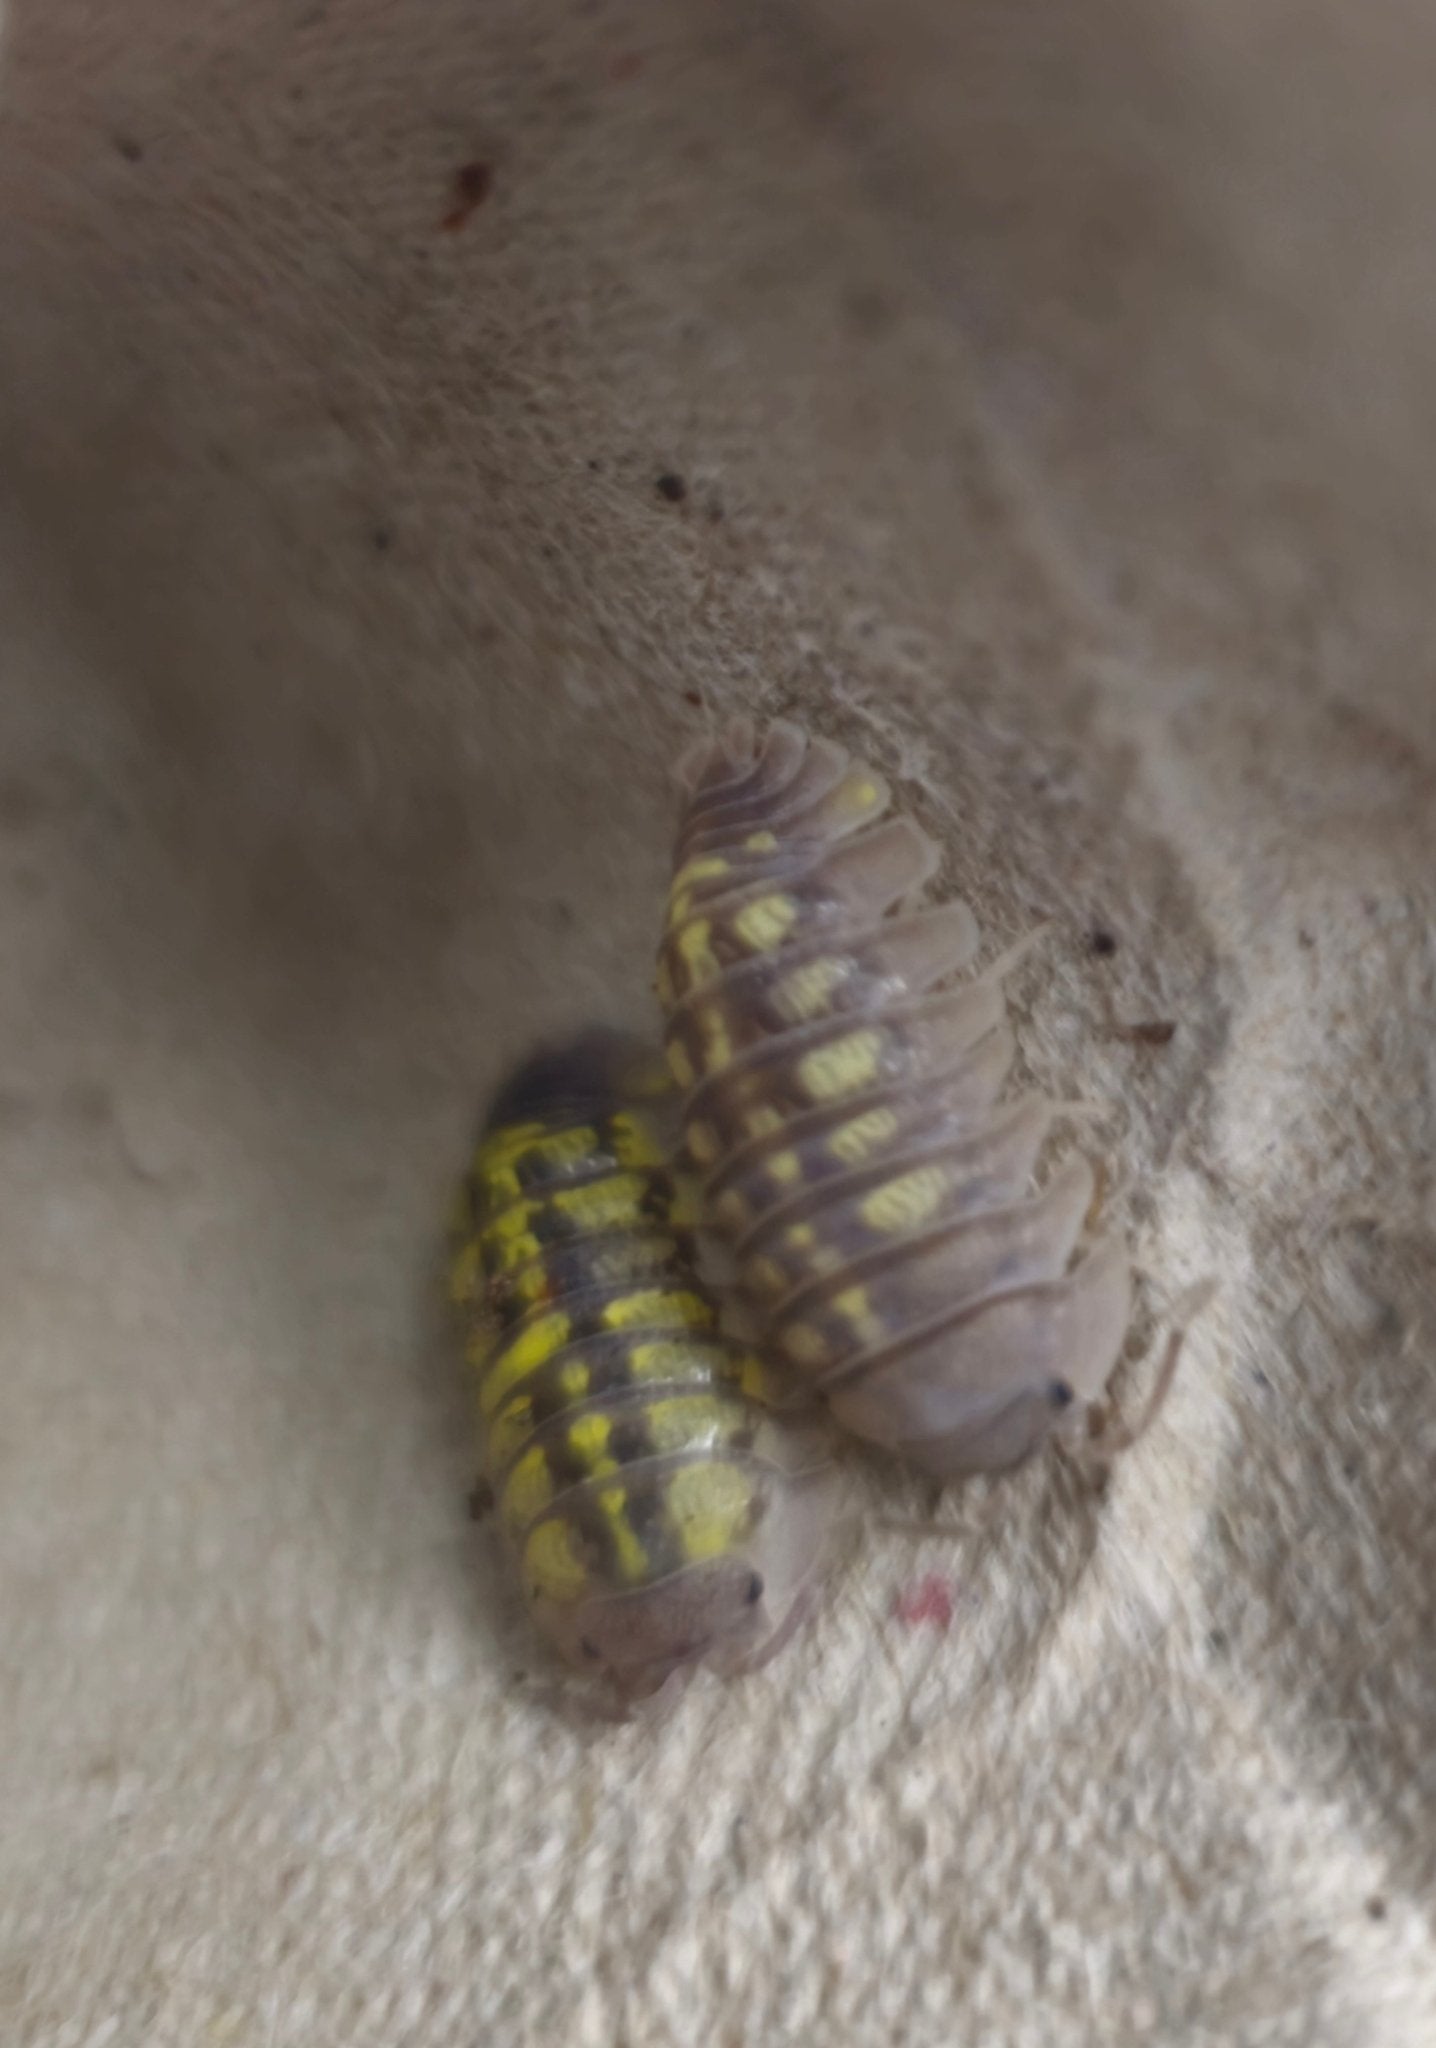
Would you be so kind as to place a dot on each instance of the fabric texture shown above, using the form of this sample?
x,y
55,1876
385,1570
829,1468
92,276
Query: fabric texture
x,y
419,418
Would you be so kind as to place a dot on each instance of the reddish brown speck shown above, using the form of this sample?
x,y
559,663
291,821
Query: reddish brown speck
x,y
927,1599
627,64
1156,1031
694,698
472,184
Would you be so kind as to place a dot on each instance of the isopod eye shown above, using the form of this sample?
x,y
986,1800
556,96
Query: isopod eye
x,y
1060,1394
755,1589
589,1649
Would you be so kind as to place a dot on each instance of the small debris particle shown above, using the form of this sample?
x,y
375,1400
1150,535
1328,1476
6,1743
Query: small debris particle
x,y
1305,940
132,151
1103,943
383,539
671,487
1376,1907
1217,1642
595,465
481,1501
695,698
472,184
1155,1031
928,1599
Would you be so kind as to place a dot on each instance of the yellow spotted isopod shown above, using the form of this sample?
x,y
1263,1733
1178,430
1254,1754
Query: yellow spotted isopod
x,y
660,1515
844,1103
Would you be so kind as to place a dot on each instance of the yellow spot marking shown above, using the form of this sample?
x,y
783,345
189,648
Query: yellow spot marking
x,y
667,1359
907,1202
765,1276
666,1306
631,1557
688,1422
765,922
758,1383
680,1066
860,794
588,1440
804,994
574,1381
703,1143
466,1274
853,1141
554,1563
527,1351
760,842
709,1506
730,1211
856,1311
527,1491
717,1045
618,1198
696,951
634,1144
762,1121
784,1169
841,1067
663,986
509,1433
704,867
803,1344
800,1236
504,1146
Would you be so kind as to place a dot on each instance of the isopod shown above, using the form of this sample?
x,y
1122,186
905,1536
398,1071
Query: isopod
x,y
844,1102
659,1514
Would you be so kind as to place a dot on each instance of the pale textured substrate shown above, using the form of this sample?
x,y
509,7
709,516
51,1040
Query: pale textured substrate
x,y
1053,391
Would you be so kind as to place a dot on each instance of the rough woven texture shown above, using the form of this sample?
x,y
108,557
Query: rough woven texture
x,y
1052,390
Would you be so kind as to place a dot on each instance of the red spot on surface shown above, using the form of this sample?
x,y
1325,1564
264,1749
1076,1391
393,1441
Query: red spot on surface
x,y
928,1599
471,187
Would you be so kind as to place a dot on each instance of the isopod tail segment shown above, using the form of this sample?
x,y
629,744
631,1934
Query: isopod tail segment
x,y
659,1514
844,1080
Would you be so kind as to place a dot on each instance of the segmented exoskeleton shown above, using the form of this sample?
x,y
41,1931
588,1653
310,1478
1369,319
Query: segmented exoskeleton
x,y
842,1101
659,1514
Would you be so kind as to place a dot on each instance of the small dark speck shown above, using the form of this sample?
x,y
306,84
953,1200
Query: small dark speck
x,y
1376,1907
715,513
1217,1642
595,465
1305,939
695,698
1350,1469
754,1591
133,152
1103,943
589,1649
671,487
470,187
481,1500
1059,1394
1260,1379
1155,1031
383,537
